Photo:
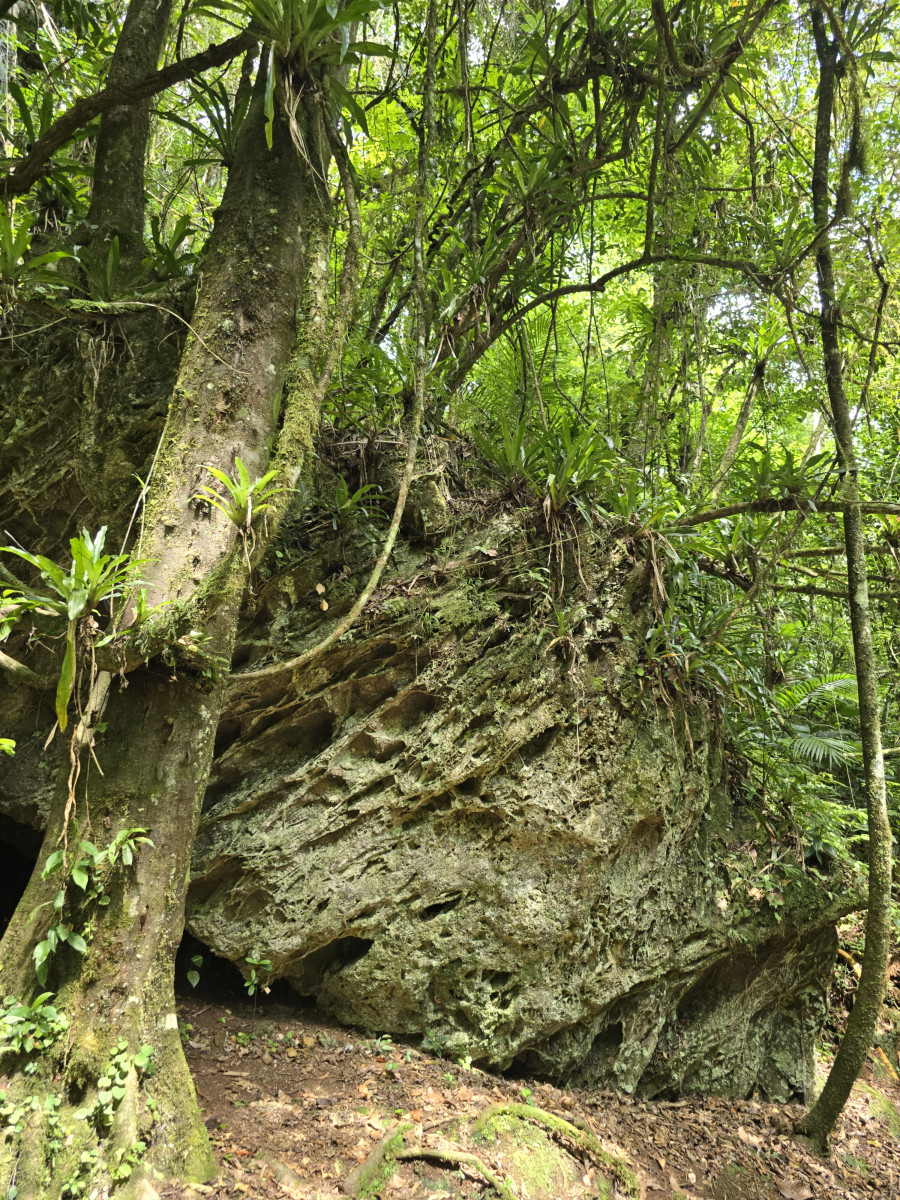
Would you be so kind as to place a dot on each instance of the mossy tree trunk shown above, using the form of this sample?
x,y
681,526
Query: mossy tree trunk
x,y
833,52
158,742
117,198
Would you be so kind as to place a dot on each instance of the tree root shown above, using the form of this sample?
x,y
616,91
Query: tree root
x,y
559,1127
288,1180
378,1168
461,1159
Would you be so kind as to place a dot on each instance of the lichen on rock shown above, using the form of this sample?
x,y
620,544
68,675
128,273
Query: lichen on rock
x,y
477,821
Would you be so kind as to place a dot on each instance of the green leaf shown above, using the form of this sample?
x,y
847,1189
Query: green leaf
x,y
349,102
77,603
66,678
41,953
269,103
375,49
80,876
24,111
53,863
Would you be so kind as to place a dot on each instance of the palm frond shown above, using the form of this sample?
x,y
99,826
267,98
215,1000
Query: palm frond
x,y
791,696
822,748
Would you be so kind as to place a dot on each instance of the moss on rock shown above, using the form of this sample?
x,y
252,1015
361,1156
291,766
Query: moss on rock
x,y
456,826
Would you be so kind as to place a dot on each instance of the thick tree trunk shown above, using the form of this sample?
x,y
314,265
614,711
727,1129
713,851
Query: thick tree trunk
x,y
158,743
117,199
860,1030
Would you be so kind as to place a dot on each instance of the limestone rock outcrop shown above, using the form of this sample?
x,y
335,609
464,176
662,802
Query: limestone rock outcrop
x,y
478,818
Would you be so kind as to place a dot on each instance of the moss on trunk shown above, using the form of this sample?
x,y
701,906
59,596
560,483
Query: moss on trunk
x,y
156,750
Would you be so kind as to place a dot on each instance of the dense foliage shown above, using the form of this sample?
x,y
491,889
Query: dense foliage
x,y
599,252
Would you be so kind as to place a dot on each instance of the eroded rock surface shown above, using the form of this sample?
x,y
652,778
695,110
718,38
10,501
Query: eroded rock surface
x,y
476,819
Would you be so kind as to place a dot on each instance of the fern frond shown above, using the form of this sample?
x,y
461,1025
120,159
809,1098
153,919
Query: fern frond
x,y
820,748
791,696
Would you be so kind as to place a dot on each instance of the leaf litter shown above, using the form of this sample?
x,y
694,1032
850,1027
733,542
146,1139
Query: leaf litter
x,y
296,1106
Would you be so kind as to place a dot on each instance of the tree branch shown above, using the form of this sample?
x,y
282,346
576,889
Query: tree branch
x,y
29,169
21,675
792,504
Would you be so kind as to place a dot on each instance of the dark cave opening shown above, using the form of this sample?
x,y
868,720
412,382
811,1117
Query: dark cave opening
x,y
19,847
221,982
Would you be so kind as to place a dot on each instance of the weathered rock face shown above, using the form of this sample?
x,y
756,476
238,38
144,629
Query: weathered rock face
x,y
476,820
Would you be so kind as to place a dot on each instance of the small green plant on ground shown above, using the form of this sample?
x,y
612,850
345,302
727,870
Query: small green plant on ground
x,y
434,1042
254,981
7,746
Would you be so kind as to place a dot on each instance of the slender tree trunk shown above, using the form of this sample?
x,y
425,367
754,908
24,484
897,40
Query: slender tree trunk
x,y
158,743
117,199
729,454
860,1031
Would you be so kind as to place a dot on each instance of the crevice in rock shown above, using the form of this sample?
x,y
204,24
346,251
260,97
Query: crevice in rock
x,y
409,710
227,734
442,906
220,980
310,973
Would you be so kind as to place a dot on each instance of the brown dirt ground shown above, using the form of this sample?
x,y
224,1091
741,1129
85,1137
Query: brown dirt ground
x,y
294,1104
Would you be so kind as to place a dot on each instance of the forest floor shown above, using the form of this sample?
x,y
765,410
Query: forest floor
x,y
301,1108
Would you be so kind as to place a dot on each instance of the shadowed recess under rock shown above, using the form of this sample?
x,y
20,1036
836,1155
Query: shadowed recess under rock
x,y
525,854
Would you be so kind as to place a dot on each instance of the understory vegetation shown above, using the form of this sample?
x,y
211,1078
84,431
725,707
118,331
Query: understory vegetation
x,y
625,271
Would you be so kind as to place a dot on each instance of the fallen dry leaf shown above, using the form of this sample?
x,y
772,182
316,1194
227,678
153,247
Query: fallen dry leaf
x,y
749,1139
794,1189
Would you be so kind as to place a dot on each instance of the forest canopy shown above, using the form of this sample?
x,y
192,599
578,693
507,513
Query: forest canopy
x,y
632,266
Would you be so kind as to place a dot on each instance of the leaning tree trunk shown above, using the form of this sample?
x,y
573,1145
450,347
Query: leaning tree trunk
x,y
860,1030
156,749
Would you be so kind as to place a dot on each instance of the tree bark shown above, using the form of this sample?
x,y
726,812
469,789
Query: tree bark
x,y
117,199
820,1120
159,738
729,454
